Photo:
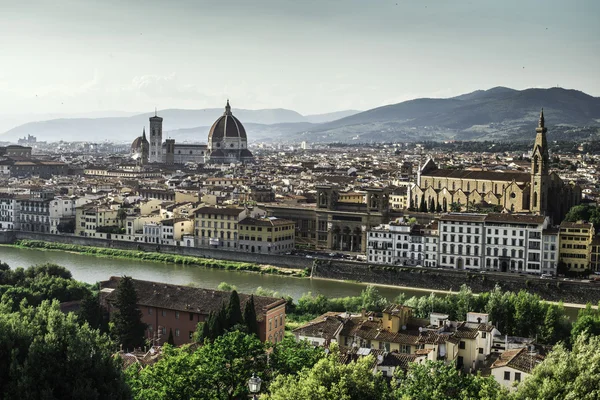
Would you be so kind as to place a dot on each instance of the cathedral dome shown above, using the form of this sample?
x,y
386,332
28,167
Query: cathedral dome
x,y
136,146
227,126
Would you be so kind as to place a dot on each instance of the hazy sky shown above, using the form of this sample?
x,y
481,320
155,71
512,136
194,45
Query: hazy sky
x,y
313,56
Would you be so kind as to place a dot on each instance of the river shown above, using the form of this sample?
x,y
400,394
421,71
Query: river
x,y
92,269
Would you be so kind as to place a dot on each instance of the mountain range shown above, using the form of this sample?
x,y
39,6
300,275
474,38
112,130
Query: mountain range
x,y
496,114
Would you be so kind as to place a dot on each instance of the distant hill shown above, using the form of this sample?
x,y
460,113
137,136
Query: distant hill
x,y
175,120
494,114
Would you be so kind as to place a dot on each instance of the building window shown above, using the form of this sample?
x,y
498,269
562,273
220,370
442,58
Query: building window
x,y
461,345
164,313
176,314
507,375
481,350
483,335
177,332
149,311
517,377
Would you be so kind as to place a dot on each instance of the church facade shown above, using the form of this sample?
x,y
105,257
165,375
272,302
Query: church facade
x,y
227,143
539,191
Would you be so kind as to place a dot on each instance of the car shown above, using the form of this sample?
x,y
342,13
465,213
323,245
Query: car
x,y
546,276
482,271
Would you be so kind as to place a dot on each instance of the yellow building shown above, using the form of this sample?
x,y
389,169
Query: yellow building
x,y
575,241
266,235
595,255
538,191
218,226
90,217
352,197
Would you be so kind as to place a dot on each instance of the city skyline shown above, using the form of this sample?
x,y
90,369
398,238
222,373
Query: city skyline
x,y
87,57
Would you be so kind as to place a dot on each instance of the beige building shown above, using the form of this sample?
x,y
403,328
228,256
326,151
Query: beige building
x,y
576,244
513,366
90,217
218,226
266,235
538,191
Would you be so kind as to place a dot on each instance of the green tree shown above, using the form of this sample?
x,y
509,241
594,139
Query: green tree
x,y
556,325
45,354
371,299
500,307
329,379
423,206
588,320
566,374
234,311
435,380
93,313
455,207
250,316
217,370
290,356
128,328
171,340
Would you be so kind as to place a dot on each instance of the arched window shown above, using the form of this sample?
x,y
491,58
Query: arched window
x,y
453,186
535,199
483,188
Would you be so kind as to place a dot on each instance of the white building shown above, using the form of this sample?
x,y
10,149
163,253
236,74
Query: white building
x,y
62,209
550,253
514,242
9,212
461,241
403,243
513,366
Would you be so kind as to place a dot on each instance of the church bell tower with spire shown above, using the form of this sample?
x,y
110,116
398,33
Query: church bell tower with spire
x,y
540,162
156,154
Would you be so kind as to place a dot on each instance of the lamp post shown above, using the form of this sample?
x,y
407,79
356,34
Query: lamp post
x,y
254,385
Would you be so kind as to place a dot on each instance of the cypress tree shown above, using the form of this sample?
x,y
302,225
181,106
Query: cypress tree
x,y
127,318
234,311
423,206
222,319
171,341
432,206
250,316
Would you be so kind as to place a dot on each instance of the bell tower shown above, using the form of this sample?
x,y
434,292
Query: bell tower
x,y
540,161
156,155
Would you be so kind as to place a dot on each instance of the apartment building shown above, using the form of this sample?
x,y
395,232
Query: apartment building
x,y
575,245
62,211
461,241
266,235
218,226
34,211
9,212
179,309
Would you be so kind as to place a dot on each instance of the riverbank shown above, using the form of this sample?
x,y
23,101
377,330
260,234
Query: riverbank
x,y
161,258
440,291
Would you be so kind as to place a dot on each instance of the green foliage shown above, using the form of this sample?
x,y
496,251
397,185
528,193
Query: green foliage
x,y
217,370
128,328
369,298
585,212
588,320
38,283
250,317
234,312
290,356
93,313
329,379
226,287
45,354
435,380
566,374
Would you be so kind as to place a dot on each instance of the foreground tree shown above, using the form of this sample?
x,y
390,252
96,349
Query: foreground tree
x,y
435,380
290,356
566,374
250,316
128,328
329,379
217,370
45,354
234,311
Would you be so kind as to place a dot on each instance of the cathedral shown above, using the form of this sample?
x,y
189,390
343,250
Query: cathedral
x,y
539,191
227,143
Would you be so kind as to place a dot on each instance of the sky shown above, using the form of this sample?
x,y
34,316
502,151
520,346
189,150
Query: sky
x,y
92,57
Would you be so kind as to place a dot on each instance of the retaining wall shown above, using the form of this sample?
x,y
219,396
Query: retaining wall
x,y
427,278
274,259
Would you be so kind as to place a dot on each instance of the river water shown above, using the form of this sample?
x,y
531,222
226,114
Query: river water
x,y
92,269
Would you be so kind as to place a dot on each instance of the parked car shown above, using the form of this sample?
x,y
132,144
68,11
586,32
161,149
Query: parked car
x,y
546,276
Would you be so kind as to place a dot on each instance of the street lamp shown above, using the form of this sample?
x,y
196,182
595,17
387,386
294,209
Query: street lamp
x,y
254,385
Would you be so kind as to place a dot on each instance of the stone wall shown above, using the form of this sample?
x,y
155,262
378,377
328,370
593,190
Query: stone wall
x,y
426,278
269,259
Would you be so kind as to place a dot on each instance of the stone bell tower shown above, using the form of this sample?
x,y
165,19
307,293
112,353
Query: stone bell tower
x,y
156,155
540,162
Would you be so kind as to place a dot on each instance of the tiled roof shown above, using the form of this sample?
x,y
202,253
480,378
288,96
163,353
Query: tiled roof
x,y
479,175
515,218
519,359
188,299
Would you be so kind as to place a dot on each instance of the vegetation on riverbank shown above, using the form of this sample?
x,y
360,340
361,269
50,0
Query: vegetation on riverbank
x,y
162,257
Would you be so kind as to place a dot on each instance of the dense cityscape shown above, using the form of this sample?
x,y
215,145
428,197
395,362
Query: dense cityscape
x,y
300,200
